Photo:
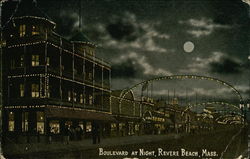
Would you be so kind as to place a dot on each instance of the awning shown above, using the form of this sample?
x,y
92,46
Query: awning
x,y
122,118
78,114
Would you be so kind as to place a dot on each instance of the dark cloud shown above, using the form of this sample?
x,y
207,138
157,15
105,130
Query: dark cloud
x,y
226,66
122,31
125,69
68,22
225,9
124,28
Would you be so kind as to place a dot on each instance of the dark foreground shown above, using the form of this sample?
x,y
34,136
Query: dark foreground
x,y
201,146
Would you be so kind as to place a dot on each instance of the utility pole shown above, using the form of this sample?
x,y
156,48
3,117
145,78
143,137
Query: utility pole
x,y
2,44
1,79
1,70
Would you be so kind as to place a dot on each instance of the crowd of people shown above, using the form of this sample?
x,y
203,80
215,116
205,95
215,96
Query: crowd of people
x,y
71,133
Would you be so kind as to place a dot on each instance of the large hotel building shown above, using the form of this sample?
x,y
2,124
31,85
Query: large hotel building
x,y
50,82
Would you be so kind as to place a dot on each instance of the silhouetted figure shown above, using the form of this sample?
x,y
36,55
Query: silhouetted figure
x,y
66,134
38,136
79,133
96,133
49,135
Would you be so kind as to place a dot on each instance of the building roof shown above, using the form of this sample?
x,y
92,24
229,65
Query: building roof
x,y
79,37
28,8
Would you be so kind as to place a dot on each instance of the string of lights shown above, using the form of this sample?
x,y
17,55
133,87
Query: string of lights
x,y
182,77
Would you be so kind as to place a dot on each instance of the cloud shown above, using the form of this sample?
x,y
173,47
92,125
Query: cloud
x,y
199,64
124,28
218,62
127,32
68,22
126,69
136,65
202,27
226,65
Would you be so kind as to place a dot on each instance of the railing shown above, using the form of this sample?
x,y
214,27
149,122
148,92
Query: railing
x,y
55,39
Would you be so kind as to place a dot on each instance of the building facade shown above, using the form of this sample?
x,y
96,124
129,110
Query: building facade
x,y
51,83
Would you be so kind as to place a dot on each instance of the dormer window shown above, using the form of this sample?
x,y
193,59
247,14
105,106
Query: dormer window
x,y
22,30
35,30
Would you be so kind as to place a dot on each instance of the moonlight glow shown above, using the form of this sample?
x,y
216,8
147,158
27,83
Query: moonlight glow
x,y
188,46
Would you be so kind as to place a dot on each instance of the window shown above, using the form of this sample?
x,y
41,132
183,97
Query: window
x,y
47,61
90,76
35,60
69,95
81,98
12,63
90,99
48,91
88,127
22,30
121,126
17,62
68,123
22,61
40,122
54,127
35,90
113,127
25,121
74,96
11,121
21,90
35,30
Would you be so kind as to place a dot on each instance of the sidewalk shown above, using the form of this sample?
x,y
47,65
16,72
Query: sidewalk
x,y
85,144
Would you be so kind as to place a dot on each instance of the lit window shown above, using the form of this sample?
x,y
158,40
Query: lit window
x,y
48,91
54,127
35,60
88,127
121,126
84,99
22,30
35,90
74,94
40,122
25,121
35,30
69,95
113,127
11,121
90,76
81,98
47,61
90,99
21,61
21,90
68,123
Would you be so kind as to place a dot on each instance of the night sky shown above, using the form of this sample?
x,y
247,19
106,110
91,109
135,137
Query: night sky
x,y
143,39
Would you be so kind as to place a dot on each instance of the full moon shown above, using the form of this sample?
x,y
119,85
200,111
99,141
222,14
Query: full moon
x,y
188,46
